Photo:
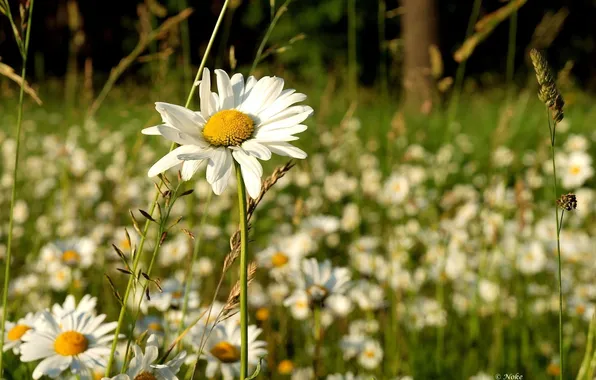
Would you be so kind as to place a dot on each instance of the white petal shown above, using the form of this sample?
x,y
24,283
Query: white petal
x,y
285,149
179,137
179,117
171,159
237,82
220,185
285,122
151,131
207,108
219,163
248,87
280,132
283,101
224,88
189,168
256,149
251,172
52,366
257,95
285,114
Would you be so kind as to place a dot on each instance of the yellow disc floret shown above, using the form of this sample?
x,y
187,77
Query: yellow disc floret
x,y
145,376
70,343
279,259
226,352
228,127
71,257
17,332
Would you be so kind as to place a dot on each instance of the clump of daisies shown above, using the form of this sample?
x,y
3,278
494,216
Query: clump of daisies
x,y
144,365
70,338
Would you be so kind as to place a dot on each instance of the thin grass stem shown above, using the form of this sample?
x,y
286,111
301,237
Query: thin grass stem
x,y
559,225
15,173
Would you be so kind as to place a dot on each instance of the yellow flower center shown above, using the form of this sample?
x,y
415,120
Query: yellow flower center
x,y
262,314
17,332
285,367
369,354
226,352
145,376
155,326
228,127
279,259
124,244
177,294
70,343
71,257
575,170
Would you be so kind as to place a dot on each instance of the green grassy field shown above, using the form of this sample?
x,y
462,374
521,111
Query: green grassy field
x,y
445,228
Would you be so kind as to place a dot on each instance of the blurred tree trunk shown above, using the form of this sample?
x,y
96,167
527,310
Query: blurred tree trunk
x,y
419,31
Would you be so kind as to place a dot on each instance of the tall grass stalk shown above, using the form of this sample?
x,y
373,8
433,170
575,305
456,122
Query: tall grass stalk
x,y
242,212
352,69
461,68
559,226
280,11
13,195
382,51
511,55
163,228
156,198
185,39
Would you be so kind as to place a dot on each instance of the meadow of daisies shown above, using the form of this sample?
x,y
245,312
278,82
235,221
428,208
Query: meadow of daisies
x,y
254,226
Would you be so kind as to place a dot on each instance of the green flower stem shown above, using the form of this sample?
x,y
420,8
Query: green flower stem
x,y
559,225
157,194
243,273
15,173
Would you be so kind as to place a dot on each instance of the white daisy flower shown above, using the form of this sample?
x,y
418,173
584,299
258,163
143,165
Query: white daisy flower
x,y
15,331
243,121
73,252
142,367
371,355
315,283
222,350
77,341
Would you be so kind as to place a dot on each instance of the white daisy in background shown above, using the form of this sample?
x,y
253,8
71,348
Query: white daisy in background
x,y
346,376
395,190
577,169
171,296
532,259
371,355
74,252
316,282
280,262
79,342
222,350
15,331
142,367
243,121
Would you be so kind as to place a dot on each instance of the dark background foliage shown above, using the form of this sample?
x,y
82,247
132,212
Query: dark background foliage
x,y
110,29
